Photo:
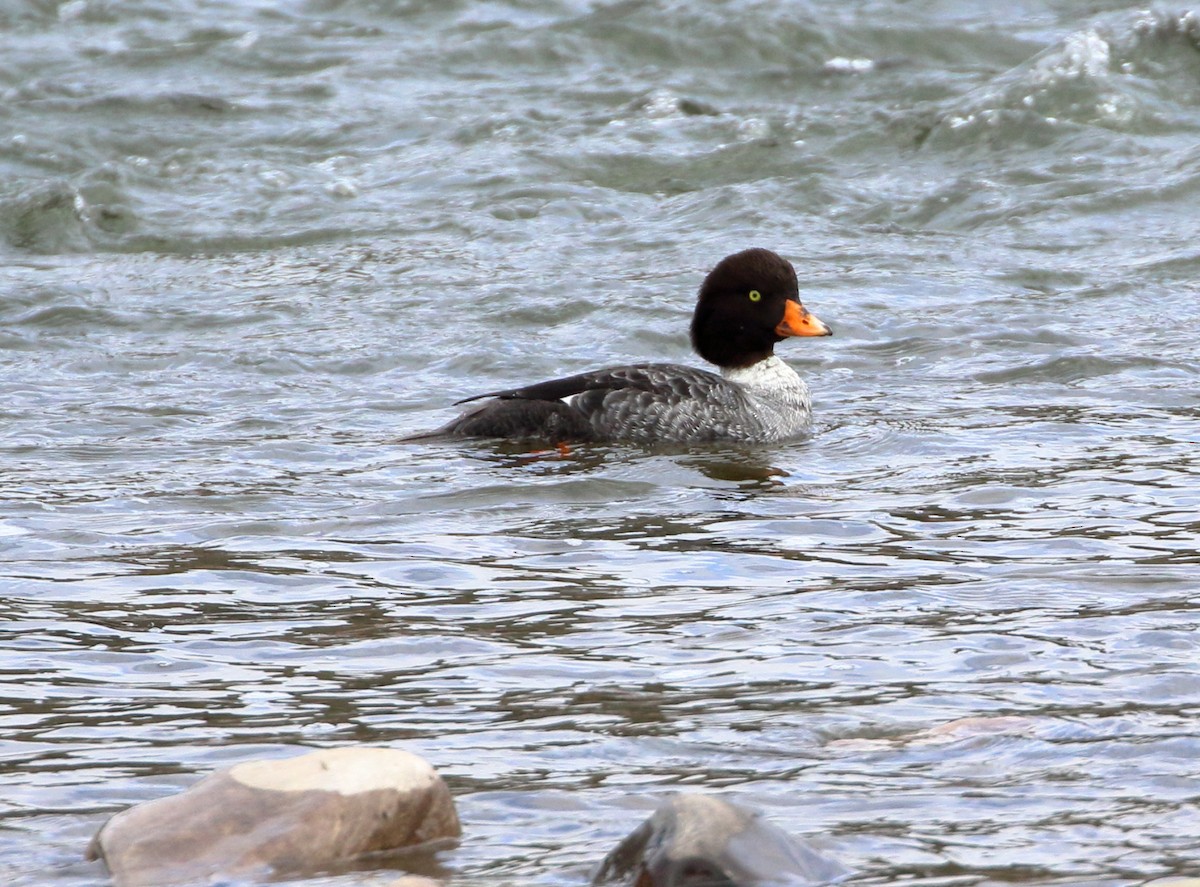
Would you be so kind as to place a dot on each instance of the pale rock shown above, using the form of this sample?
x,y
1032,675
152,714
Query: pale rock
x,y
261,818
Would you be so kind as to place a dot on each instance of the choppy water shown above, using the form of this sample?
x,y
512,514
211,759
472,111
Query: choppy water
x,y
248,245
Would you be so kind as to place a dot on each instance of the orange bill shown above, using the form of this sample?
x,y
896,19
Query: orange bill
x,y
798,322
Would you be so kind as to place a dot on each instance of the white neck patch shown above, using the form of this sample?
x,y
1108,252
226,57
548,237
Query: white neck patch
x,y
771,374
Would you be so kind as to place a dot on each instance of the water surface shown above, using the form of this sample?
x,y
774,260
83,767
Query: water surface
x,y
247,246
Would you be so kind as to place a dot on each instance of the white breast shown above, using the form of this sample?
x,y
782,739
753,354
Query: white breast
x,y
779,400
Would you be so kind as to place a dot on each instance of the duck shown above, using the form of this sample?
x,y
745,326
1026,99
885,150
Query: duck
x,y
747,303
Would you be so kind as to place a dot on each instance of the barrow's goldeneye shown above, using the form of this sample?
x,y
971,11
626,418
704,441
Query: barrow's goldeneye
x,y
746,304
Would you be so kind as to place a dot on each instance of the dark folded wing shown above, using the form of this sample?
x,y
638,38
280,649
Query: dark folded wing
x,y
514,419
647,403
666,380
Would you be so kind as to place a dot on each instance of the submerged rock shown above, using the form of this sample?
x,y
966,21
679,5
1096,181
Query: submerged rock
x,y
958,730
698,840
264,817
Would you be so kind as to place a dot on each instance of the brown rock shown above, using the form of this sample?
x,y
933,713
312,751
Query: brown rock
x,y
297,814
704,841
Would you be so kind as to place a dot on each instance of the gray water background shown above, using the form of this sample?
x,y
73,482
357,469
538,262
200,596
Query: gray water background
x,y
246,246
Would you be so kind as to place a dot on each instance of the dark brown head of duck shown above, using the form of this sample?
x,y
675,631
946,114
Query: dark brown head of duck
x,y
747,303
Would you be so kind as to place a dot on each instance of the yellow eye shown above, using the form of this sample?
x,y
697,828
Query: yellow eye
x,y
755,296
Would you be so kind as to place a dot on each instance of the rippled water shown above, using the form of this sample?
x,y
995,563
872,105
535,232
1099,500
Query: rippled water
x,y
249,245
